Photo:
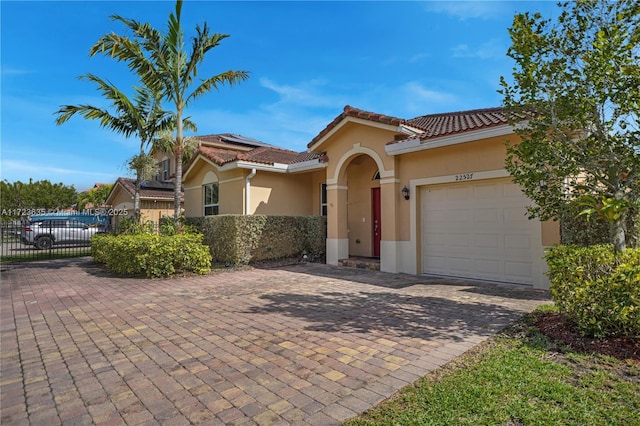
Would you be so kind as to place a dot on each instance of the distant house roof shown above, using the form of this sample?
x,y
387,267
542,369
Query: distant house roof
x,y
149,190
232,141
268,155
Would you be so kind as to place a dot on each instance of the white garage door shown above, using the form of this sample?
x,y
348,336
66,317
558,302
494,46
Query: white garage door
x,y
478,230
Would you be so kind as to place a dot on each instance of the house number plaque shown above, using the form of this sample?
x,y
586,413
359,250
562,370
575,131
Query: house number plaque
x,y
464,176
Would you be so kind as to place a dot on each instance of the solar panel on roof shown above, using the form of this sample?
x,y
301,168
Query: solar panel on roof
x,y
154,184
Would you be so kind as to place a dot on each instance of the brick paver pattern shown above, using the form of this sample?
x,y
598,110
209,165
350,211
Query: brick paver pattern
x,y
307,344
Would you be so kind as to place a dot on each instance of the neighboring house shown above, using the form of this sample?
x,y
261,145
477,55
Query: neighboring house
x,y
426,195
156,200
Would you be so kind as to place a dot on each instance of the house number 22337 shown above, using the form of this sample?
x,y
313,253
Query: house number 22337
x,y
464,176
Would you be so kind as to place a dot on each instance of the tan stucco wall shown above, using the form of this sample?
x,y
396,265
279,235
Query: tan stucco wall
x,y
282,194
272,193
231,189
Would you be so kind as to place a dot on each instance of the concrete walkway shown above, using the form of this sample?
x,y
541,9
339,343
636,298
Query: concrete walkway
x,y
308,344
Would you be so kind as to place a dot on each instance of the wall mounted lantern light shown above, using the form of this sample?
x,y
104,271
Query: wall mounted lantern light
x,y
405,192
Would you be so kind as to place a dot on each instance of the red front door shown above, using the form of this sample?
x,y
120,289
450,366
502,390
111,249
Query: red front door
x,y
376,221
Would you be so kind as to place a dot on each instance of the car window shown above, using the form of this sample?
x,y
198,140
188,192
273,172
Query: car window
x,y
76,224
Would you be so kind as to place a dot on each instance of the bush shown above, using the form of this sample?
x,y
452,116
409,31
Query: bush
x,y
597,288
241,239
583,231
171,226
130,226
152,255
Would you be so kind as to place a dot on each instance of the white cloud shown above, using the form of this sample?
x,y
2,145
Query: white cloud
x,y
490,49
464,10
306,94
16,71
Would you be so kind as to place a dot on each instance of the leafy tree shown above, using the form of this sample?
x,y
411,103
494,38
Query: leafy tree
x,y
574,100
142,117
18,197
95,196
164,64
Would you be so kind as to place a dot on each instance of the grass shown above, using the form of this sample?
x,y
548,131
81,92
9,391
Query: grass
x,y
520,377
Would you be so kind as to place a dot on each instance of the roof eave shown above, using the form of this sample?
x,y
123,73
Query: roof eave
x,y
305,166
414,145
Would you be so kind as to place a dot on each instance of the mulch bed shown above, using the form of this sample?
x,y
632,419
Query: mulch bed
x,y
557,326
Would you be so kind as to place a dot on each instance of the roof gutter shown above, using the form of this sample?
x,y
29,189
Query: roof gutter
x,y
247,191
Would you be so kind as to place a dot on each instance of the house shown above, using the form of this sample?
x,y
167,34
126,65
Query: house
x,y
156,200
427,195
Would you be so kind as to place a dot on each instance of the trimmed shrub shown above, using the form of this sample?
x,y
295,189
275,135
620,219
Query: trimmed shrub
x,y
241,239
152,255
598,289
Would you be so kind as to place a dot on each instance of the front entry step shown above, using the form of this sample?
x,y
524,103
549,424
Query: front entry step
x,y
370,263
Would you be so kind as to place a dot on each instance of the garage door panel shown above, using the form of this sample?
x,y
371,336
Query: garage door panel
x,y
517,241
518,269
487,241
477,230
487,216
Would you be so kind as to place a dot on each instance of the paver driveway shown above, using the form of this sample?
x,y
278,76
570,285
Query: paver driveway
x,y
304,344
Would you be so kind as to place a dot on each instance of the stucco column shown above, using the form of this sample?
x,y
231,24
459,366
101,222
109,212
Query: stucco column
x,y
337,238
390,197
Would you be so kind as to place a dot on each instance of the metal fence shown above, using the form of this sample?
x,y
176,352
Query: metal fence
x,y
21,240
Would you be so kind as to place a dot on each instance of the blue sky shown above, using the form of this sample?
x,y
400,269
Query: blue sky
x,y
307,60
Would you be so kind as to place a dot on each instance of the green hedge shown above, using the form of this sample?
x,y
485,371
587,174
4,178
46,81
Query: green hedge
x,y
597,288
242,239
151,255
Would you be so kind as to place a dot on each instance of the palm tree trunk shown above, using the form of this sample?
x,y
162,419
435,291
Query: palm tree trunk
x,y
179,151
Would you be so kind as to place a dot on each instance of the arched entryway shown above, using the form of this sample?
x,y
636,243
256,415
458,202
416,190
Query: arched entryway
x,y
362,198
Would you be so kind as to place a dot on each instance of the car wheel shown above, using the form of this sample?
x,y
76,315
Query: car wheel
x,y
44,243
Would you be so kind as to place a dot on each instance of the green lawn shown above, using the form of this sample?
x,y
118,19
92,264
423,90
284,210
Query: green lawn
x,y
520,377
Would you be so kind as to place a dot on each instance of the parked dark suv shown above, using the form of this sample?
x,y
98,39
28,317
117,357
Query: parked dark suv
x,y
45,233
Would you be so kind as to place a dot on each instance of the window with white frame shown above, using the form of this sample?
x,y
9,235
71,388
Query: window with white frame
x,y
211,199
323,199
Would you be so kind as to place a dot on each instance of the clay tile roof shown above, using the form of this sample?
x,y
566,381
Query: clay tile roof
x,y
436,125
268,155
219,156
308,156
350,111
147,191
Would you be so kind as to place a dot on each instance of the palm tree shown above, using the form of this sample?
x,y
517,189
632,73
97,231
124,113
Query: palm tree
x,y
144,118
163,64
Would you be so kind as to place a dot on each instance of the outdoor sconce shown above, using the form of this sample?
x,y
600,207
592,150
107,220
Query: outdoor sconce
x,y
405,192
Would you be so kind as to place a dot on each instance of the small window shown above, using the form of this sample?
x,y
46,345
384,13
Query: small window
x,y
323,199
164,170
211,199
